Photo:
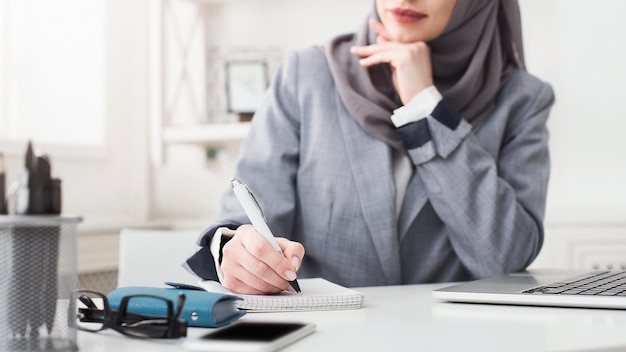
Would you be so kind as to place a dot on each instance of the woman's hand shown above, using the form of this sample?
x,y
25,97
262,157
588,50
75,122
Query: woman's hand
x,y
410,62
250,265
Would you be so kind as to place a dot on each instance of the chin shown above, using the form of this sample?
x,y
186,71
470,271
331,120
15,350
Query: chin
x,y
405,37
402,35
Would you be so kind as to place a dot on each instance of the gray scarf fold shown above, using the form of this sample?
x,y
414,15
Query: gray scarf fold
x,y
471,61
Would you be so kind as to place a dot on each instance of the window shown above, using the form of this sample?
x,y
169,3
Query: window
x,y
52,71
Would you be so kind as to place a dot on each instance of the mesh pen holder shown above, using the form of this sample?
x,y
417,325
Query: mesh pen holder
x,y
37,275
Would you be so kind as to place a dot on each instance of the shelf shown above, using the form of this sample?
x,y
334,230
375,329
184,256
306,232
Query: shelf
x,y
209,2
208,134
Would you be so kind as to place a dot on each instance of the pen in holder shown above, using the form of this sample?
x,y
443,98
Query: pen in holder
x,y
38,274
37,262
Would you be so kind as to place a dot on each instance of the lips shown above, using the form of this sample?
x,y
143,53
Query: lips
x,y
406,15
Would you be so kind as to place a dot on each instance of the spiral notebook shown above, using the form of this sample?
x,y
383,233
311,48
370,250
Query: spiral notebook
x,y
317,294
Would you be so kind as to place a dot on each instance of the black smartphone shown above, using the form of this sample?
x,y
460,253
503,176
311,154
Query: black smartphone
x,y
251,336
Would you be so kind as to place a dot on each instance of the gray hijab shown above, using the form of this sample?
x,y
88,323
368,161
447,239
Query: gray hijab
x,y
471,61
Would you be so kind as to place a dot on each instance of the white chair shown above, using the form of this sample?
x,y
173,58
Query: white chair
x,y
151,257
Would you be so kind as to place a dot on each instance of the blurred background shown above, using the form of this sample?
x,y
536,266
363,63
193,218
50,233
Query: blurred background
x,y
133,102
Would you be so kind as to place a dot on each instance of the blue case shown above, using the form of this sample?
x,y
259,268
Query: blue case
x,y
201,309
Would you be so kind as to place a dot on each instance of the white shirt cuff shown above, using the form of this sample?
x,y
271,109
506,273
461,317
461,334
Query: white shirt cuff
x,y
215,248
417,108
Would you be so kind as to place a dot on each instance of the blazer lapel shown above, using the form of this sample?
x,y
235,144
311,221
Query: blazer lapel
x,y
414,200
370,162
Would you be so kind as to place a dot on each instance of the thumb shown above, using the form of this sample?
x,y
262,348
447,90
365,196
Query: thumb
x,y
293,251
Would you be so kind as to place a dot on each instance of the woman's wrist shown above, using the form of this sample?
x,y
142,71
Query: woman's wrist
x,y
419,107
221,236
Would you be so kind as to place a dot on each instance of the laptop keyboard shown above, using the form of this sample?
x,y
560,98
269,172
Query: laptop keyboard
x,y
604,283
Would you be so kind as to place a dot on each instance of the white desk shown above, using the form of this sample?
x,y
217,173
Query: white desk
x,y
400,317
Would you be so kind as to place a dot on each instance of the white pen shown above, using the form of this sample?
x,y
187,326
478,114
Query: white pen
x,y
19,195
255,214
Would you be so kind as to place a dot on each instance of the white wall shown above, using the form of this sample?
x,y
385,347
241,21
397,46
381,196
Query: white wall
x,y
289,24
108,185
578,47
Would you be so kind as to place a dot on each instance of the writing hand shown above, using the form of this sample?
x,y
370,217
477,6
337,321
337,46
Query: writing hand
x,y
250,265
410,62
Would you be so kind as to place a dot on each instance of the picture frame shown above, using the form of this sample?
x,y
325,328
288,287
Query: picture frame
x,y
246,83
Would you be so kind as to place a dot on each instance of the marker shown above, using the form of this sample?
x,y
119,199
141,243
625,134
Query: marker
x,y
183,286
3,204
255,214
22,194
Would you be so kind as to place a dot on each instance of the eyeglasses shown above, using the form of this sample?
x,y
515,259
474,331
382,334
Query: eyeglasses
x,y
92,312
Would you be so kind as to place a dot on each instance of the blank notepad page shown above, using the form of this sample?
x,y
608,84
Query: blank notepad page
x,y
317,294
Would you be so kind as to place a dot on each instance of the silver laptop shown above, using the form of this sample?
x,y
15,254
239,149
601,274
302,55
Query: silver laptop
x,y
558,288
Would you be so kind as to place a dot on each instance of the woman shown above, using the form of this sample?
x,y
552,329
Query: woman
x,y
415,150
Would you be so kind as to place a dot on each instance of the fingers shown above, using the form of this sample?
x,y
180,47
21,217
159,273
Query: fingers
x,y
293,251
374,54
266,261
367,50
392,51
383,35
250,265
410,63
248,284
370,56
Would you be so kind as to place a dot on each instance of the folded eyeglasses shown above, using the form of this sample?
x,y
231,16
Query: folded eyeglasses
x,y
92,312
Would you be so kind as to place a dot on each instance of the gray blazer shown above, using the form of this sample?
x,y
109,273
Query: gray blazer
x,y
474,206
